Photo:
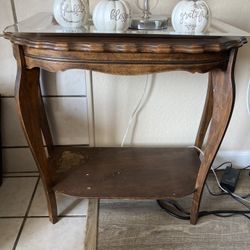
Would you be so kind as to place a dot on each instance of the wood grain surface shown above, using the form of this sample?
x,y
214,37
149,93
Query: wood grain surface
x,y
142,225
136,173
124,173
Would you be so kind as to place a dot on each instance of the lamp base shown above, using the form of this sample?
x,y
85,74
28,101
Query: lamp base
x,y
151,23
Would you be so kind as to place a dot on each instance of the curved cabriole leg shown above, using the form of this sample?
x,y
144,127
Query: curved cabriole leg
x,y
52,205
207,114
223,102
43,121
29,108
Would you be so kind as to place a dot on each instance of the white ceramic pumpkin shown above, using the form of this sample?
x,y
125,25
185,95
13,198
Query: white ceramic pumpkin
x,y
111,15
71,13
191,16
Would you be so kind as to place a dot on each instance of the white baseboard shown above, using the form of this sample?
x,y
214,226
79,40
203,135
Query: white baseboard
x,y
239,159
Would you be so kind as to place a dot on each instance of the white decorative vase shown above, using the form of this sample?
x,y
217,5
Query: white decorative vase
x,y
111,15
71,13
191,16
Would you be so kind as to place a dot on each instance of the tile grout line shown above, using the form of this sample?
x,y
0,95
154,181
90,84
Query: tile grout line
x,y
20,176
22,172
15,147
25,174
48,96
11,217
42,216
64,96
56,145
60,216
26,215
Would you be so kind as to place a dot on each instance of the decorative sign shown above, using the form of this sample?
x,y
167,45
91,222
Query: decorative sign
x,y
70,13
191,16
111,15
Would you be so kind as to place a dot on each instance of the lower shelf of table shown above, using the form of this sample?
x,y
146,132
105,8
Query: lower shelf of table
x,y
134,173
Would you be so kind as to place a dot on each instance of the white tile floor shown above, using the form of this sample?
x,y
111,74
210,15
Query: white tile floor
x,y
24,222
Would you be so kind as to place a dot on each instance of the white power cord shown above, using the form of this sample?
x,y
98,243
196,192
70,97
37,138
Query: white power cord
x,y
200,151
136,110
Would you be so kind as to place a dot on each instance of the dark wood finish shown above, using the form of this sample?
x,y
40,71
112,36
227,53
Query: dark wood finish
x,y
153,174
44,122
137,54
138,173
30,111
125,43
223,103
206,116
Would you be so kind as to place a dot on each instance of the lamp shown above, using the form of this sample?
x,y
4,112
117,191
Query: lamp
x,y
146,21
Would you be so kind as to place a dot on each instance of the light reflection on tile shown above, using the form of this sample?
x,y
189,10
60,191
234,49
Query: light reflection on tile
x,y
15,195
18,160
66,205
40,234
9,229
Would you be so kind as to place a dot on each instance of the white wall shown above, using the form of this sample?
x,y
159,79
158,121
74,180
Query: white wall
x,y
171,112
64,96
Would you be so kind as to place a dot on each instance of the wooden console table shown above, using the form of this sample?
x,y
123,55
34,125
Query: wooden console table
x,y
134,173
